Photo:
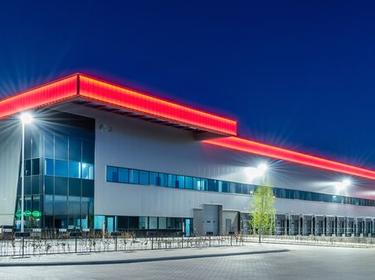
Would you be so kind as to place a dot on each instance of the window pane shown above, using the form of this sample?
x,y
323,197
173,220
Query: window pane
x,y
74,169
188,182
162,223
153,222
134,176
171,181
163,179
123,175
112,174
35,166
74,187
49,166
49,185
61,146
88,188
61,186
88,152
74,149
48,145
144,177
87,171
143,223
180,182
61,168
154,179
27,167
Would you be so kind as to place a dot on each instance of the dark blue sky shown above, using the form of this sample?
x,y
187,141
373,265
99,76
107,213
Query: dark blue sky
x,y
300,75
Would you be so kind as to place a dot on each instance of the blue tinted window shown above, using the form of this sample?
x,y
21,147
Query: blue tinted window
x,y
144,178
188,182
134,176
112,174
74,169
171,181
154,179
180,182
87,171
123,175
163,179
61,168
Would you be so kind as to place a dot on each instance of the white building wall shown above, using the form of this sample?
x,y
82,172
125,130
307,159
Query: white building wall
x,y
129,142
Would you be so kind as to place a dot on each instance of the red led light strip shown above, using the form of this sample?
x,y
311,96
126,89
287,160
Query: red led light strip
x,y
48,94
261,149
161,109
88,88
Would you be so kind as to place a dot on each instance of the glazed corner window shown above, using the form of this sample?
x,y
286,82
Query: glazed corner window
x,y
87,171
112,174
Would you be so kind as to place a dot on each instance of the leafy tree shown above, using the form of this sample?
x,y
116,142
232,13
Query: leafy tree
x,y
263,211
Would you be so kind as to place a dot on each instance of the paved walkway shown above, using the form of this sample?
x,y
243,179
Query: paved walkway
x,y
297,262
138,256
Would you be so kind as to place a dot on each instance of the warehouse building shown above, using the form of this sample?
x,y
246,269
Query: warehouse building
x,y
99,155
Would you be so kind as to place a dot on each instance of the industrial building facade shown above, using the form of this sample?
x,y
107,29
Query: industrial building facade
x,y
98,155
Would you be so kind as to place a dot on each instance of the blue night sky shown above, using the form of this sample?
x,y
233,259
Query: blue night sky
x,y
299,75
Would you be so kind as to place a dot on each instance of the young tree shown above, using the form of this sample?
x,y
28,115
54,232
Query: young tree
x,y
263,211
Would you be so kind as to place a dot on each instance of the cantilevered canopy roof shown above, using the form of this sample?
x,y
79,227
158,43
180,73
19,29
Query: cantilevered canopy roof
x,y
82,87
100,94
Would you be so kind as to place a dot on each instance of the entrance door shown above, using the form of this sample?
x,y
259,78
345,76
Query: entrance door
x,y
211,219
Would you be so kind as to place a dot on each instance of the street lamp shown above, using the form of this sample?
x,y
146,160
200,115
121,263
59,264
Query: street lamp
x,y
25,118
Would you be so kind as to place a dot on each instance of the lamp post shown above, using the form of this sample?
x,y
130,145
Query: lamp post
x,y
26,118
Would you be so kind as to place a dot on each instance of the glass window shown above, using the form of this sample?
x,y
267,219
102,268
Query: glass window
x,y
88,152
163,179
61,186
27,167
153,222
180,182
87,171
214,186
88,188
35,166
48,205
99,222
49,185
74,169
162,223
154,179
74,149
61,146
112,174
74,187
48,145
143,223
35,185
123,175
188,182
171,181
133,176
144,178
49,167
61,168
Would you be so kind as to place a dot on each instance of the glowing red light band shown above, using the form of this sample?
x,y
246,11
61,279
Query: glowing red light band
x,y
261,149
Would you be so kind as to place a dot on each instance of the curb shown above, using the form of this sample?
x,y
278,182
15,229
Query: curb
x,y
171,258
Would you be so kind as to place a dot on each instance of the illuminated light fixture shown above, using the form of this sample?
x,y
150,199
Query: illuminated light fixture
x,y
80,86
26,118
345,183
262,168
252,147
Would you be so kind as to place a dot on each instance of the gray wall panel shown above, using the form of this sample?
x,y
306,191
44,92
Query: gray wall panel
x,y
10,150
